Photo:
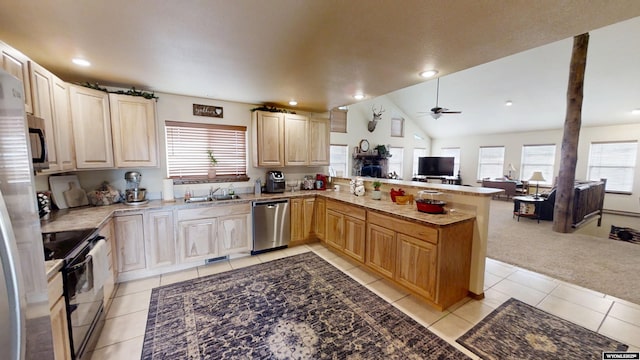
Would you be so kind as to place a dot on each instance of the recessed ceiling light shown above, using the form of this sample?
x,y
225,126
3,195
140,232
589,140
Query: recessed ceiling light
x,y
508,103
293,103
342,107
358,96
428,73
635,111
81,62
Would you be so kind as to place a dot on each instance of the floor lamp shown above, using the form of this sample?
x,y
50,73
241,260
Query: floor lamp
x,y
537,177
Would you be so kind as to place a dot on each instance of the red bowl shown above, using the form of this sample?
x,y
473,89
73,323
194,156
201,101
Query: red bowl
x,y
394,193
430,206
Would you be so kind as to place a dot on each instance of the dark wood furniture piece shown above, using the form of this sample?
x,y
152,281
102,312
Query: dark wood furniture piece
x,y
521,208
588,201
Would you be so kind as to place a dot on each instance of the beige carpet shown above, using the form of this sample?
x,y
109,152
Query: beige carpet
x,y
597,263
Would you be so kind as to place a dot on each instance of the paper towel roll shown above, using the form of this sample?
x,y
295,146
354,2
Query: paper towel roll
x,y
167,190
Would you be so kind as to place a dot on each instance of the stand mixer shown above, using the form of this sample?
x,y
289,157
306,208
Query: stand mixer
x,y
134,194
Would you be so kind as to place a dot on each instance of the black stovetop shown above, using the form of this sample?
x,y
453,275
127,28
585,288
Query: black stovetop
x,y
58,245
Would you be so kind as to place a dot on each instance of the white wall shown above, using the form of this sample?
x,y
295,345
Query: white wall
x,y
359,116
180,108
513,143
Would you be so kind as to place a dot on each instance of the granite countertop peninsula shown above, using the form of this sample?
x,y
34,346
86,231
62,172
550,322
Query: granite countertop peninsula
x,y
88,217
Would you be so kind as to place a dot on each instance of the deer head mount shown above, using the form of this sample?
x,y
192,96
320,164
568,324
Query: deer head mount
x,y
377,115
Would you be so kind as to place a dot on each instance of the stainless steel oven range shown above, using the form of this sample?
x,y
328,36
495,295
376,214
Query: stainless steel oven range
x,y
84,302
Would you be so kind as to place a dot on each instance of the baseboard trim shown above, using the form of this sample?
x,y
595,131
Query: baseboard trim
x,y
475,296
619,212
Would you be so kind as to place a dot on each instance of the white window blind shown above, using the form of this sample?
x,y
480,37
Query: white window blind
x,y
490,162
614,161
338,159
394,163
453,152
538,158
188,143
417,153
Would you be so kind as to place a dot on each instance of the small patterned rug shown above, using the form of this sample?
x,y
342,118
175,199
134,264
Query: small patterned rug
x,y
299,307
516,330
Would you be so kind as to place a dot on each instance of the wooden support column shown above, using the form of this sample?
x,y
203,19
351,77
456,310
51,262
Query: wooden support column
x,y
562,212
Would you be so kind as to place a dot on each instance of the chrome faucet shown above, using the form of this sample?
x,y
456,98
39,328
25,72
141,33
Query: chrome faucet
x,y
213,191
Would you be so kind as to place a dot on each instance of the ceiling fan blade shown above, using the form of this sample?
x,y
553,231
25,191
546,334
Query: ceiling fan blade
x,y
451,112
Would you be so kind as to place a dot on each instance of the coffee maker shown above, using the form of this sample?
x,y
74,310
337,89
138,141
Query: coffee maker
x,y
134,194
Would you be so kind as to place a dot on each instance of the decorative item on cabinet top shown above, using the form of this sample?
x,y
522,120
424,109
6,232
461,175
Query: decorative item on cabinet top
x,y
132,91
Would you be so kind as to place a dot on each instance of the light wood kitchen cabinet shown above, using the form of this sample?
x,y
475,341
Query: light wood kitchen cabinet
x,y
345,229
416,265
129,231
42,97
381,250
289,140
210,232
159,238
133,125
198,239
296,136
302,220
16,64
269,136
107,232
65,150
233,234
91,128
58,314
319,217
319,142
432,262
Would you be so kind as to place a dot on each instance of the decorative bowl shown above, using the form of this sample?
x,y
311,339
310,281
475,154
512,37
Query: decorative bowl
x,y
404,199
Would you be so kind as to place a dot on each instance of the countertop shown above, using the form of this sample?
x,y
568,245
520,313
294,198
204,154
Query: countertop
x,y
94,216
52,267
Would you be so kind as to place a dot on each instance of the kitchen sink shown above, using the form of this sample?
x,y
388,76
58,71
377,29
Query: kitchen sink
x,y
226,197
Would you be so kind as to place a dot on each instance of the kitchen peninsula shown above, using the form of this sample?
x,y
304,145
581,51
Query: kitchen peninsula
x,y
159,231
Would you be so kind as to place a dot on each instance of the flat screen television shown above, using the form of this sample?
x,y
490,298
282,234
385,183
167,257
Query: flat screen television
x,y
435,166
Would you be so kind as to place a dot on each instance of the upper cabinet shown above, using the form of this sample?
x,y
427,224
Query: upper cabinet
x,y
91,128
289,140
50,97
319,141
16,64
133,124
42,98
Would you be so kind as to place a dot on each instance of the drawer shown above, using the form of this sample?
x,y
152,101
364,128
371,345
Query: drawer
x,y
213,211
421,232
346,209
54,289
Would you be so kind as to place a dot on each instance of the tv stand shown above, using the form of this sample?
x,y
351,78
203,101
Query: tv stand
x,y
451,180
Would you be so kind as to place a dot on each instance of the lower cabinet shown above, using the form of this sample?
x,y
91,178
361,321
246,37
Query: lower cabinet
x,y
319,217
302,220
433,262
129,230
210,232
159,238
107,232
345,228
58,313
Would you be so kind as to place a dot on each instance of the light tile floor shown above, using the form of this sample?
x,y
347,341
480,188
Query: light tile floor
x,y
123,333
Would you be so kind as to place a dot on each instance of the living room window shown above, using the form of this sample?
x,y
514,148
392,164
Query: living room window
x,y
395,161
455,153
538,158
339,159
188,145
490,162
614,161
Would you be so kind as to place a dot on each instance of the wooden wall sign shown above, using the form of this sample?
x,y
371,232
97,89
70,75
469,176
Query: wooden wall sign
x,y
207,110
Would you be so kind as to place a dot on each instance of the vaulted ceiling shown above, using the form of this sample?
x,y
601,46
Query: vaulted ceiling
x,y
321,52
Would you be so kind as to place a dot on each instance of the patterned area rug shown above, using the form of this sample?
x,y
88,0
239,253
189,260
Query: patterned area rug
x,y
516,330
299,307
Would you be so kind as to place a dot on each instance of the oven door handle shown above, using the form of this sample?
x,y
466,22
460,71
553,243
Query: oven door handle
x,y
82,264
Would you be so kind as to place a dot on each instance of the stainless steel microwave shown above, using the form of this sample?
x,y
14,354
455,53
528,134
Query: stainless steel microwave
x,y
38,143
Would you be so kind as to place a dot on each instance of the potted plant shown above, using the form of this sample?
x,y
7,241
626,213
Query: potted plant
x,y
376,194
212,163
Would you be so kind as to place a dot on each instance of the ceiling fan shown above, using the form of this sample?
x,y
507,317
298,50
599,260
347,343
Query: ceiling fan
x,y
437,111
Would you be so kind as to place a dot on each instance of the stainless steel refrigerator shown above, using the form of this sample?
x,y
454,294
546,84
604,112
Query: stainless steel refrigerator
x,y
25,325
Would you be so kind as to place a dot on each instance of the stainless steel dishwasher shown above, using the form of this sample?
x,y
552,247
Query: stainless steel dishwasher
x,y
271,225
